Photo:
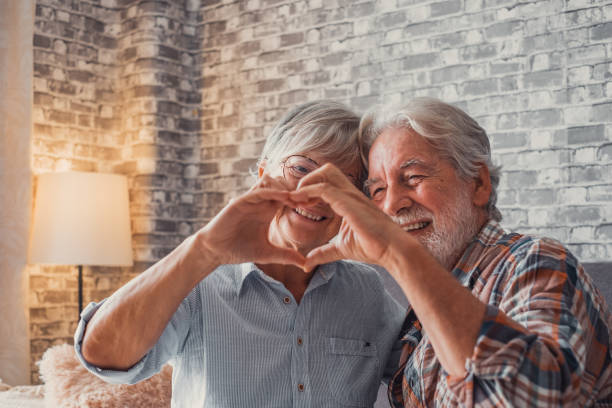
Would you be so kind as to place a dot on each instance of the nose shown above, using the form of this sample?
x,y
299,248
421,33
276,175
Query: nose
x,y
396,199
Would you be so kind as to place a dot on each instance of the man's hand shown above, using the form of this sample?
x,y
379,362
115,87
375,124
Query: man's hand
x,y
366,232
239,233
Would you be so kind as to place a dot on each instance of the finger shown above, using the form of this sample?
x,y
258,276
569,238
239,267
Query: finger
x,y
321,255
328,173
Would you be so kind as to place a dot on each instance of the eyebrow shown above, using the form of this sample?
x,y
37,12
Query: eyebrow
x,y
411,163
404,165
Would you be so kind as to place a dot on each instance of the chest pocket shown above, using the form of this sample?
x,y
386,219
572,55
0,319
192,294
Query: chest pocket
x,y
353,371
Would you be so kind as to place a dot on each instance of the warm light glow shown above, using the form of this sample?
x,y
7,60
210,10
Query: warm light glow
x,y
81,219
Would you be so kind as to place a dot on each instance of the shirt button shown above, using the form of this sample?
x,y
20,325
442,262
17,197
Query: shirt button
x,y
300,341
301,387
287,300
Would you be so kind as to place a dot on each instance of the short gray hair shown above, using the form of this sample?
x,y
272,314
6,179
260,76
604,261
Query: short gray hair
x,y
452,133
326,127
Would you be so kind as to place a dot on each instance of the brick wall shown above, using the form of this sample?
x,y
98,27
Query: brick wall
x,y
179,96
536,75
115,90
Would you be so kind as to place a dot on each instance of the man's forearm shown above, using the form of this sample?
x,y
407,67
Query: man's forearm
x,y
126,326
449,313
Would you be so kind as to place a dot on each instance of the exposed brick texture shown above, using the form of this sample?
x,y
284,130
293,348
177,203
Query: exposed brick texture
x,y
179,96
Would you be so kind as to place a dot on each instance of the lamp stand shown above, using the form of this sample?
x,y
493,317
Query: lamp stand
x,y
80,280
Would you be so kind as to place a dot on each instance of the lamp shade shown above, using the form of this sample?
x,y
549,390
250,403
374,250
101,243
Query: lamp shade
x,y
81,219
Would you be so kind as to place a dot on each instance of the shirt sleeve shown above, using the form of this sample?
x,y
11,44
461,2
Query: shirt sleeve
x,y
168,345
546,343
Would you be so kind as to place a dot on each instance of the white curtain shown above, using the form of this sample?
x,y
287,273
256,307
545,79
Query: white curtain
x,y
16,73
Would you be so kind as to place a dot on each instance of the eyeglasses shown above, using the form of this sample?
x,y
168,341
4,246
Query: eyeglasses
x,y
295,167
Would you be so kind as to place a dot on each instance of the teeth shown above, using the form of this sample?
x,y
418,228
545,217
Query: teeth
x,y
416,226
308,215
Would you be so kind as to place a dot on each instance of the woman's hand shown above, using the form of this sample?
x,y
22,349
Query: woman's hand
x,y
366,232
239,233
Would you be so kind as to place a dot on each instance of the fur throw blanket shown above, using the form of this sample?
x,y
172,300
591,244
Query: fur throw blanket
x,y
69,385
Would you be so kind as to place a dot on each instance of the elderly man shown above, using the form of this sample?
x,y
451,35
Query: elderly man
x,y
497,318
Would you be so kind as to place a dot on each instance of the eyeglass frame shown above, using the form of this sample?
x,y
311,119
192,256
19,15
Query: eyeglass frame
x,y
283,164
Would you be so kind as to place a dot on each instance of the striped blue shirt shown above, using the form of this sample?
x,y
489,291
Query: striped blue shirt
x,y
239,339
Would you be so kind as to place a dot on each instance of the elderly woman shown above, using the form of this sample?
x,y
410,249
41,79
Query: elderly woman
x,y
231,307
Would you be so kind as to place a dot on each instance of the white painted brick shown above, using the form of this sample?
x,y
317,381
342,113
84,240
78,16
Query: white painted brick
x,y
189,30
341,74
315,4
38,114
146,165
419,13
248,150
504,13
579,75
313,65
363,27
147,50
449,93
510,48
61,15
477,71
146,135
572,195
363,88
386,5
450,57
252,4
294,82
474,37
337,46
60,47
548,177
227,54
540,99
394,35
106,111
472,6
107,57
578,114
63,165
585,155
420,45
142,225
313,36
541,62
394,98
191,171
538,217
226,168
249,63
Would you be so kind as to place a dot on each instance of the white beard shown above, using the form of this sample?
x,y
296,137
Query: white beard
x,y
452,230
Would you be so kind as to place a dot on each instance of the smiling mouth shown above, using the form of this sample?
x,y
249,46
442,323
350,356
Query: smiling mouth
x,y
310,216
416,226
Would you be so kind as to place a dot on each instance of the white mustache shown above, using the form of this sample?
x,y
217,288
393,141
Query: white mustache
x,y
409,216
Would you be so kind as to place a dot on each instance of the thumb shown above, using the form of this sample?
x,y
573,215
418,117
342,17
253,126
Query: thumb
x,y
285,256
323,254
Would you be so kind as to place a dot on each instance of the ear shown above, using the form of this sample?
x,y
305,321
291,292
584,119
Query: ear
x,y
482,186
261,168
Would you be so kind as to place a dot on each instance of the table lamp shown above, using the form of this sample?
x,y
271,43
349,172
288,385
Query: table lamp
x,y
81,219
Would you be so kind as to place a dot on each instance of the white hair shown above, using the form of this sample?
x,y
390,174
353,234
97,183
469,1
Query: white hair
x,y
326,127
451,132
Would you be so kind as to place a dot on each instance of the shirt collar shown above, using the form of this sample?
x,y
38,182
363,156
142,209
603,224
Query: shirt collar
x,y
465,270
322,275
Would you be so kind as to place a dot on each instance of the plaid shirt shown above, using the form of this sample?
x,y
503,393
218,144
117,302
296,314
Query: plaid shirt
x,y
544,340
